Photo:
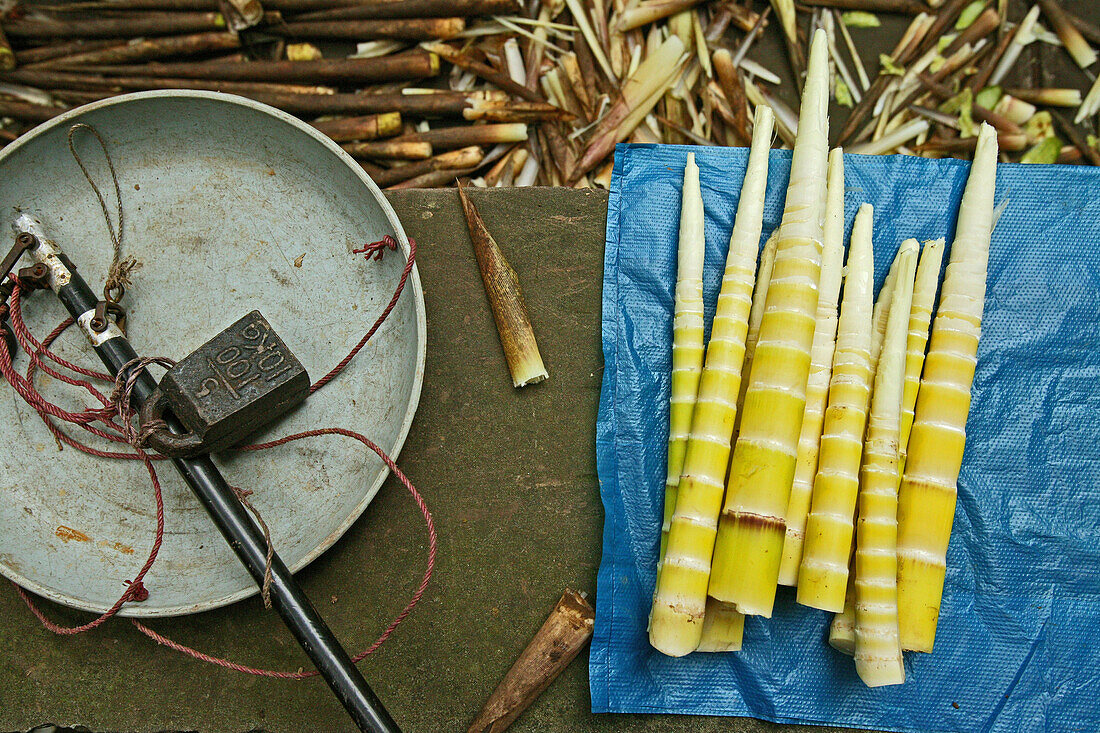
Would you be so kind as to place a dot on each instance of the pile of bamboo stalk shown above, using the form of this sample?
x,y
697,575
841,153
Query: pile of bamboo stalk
x,y
523,92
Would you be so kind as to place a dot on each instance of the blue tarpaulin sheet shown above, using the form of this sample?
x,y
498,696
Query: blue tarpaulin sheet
x,y
1018,645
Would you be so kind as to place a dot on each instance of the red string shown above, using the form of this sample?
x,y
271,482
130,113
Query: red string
x,y
115,416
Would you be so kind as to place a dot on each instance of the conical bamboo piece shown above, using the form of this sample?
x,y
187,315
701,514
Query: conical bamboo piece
x,y
506,299
878,648
823,575
821,369
680,601
687,337
926,506
750,535
562,636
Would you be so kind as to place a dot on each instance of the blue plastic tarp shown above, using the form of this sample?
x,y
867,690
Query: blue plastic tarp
x,y
1018,645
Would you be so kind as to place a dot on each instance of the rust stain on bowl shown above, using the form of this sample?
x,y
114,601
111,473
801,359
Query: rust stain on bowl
x,y
68,533
124,549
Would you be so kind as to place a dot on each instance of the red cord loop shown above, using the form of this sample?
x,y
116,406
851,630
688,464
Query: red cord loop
x,y
115,414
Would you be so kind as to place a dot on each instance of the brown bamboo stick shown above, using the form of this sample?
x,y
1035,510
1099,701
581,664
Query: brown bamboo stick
x,y
981,79
955,145
148,49
449,138
979,112
901,7
734,91
415,9
506,111
367,127
1075,44
128,26
404,66
39,54
390,150
648,11
560,639
27,111
506,300
452,160
432,179
1076,138
442,104
489,74
1090,31
1048,97
7,56
412,29
55,79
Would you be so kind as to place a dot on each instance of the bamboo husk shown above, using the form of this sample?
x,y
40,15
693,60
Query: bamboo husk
x,y
412,65
555,645
448,138
1077,47
1048,97
7,56
414,9
413,29
902,7
734,91
453,160
570,64
148,49
368,127
506,300
390,149
980,113
138,24
644,13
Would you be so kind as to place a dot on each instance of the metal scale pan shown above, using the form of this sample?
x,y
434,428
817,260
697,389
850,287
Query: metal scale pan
x,y
230,205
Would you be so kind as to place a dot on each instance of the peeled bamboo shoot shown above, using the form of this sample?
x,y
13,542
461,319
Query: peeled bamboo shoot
x,y
821,369
926,506
920,317
687,335
878,648
823,575
750,537
676,623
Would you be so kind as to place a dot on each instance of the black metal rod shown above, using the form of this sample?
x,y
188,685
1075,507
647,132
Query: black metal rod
x,y
247,540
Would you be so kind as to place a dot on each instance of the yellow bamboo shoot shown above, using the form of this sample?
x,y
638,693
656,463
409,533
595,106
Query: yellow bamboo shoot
x,y
679,604
823,575
920,317
878,648
749,544
821,369
759,299
926,506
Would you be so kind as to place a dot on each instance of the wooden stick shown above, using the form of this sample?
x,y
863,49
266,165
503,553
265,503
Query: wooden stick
x,y
980,80
412,65
1075,44
129,26
368,127
28,112
147,49
504,111
982,26
413,29
39,54
555,645
452,160
979,113
489,74
415,9
449,138
7,56
1085,28
442,104
901,7
55,79
1076,138
644,13
390,150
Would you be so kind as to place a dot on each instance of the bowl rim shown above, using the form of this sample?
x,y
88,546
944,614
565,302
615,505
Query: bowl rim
x,y
137,610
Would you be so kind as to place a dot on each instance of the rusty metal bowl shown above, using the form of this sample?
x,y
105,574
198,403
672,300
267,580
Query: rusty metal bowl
x,y
230,205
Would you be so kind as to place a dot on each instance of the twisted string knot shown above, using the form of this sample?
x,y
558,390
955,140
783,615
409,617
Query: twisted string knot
x,y
375,250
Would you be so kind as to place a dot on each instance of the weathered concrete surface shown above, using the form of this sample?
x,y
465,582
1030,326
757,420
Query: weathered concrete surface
x,y
509,474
